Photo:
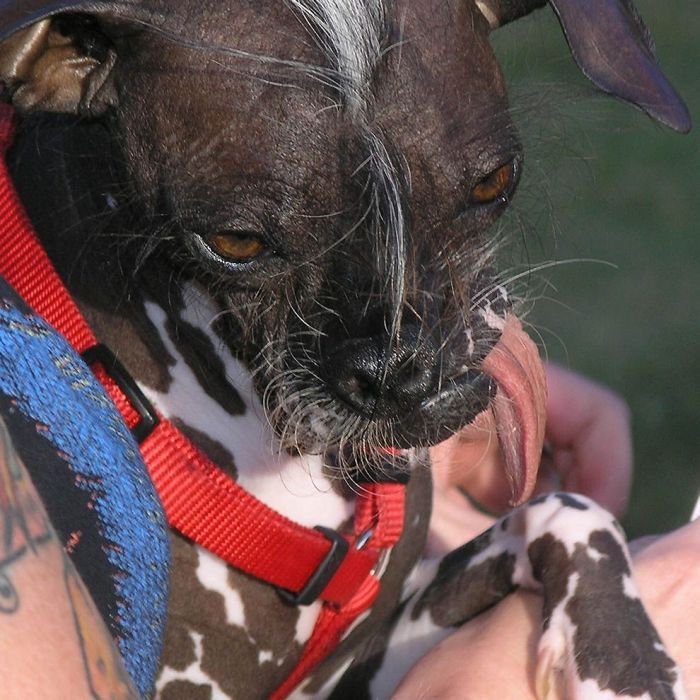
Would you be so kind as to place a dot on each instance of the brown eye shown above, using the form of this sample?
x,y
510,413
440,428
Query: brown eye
x,y
237,247
496,185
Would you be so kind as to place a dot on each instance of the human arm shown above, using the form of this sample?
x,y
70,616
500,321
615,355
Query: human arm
x,y
53,642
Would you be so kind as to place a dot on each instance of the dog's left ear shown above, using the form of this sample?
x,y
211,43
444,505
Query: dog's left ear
x,y
58,64
613,48
57,55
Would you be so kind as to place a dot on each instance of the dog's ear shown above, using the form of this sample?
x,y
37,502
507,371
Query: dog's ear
x,y
54,55
613,48
51,66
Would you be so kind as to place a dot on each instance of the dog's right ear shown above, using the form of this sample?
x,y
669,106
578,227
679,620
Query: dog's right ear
x,y
55,56
611,46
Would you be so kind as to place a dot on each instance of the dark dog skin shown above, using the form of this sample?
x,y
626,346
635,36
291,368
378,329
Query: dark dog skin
x,y
178,135
202,165
238,174
241,174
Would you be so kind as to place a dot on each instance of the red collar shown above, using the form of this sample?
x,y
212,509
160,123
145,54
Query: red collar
x,y
199,499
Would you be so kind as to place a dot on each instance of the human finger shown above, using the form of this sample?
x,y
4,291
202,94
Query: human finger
x,y
588,428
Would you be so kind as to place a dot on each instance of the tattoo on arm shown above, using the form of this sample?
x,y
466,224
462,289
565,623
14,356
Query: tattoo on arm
x,y
24,531
106,675
24,526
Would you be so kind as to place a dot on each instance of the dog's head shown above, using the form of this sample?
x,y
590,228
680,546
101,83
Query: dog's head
x,y
329,170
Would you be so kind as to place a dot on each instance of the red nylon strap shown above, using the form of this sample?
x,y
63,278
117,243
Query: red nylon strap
x,y
328,632
218,514
381,509
200,501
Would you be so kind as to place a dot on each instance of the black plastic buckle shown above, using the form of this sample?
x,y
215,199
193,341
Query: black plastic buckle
x,y
116,370
323,574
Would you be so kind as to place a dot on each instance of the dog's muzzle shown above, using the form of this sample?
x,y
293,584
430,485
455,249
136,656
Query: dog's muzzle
x,y
404,387
405,390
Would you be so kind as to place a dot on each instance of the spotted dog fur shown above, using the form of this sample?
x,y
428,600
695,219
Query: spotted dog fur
x,y
352,145
575,553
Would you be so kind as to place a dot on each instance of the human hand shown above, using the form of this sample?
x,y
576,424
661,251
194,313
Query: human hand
x,y
588,429
588,432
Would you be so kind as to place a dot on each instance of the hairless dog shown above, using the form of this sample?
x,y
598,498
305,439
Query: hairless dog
x,y
277,214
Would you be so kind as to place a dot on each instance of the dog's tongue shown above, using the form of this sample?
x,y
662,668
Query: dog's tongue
x,y
519,407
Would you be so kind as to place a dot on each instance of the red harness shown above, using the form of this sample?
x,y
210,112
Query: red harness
x,y
199,499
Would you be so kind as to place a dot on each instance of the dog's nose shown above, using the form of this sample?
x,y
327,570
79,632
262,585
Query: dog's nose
x,y
379,378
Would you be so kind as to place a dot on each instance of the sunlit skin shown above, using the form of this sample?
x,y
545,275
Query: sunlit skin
x,y
53,642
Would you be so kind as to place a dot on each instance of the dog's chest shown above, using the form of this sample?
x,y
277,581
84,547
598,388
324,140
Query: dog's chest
x,y
227,420
221,621
227,634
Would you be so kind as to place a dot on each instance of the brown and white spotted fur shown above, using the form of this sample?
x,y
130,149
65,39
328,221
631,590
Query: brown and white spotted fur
x,y
277,214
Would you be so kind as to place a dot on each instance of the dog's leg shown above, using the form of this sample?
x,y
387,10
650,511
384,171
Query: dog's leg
x,y
598,641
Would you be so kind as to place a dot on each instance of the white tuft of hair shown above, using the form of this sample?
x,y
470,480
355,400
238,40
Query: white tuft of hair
x,y
350,33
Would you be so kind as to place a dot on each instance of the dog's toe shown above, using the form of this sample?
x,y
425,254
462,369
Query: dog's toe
x,y
556,674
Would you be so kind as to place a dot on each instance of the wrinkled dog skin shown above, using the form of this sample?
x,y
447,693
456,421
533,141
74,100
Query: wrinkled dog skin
x,y
277,214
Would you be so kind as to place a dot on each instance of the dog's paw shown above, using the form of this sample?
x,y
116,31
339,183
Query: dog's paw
x,y
598,641
604,657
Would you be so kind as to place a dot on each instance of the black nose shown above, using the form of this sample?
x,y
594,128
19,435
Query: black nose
x,y
381,378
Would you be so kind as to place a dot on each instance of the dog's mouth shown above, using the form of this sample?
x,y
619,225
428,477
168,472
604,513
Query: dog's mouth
x,y
511,385
366,404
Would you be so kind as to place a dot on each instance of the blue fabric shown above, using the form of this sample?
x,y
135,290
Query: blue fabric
x,y
49,383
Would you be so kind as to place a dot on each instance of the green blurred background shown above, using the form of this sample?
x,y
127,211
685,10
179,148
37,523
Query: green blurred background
x,y
603,183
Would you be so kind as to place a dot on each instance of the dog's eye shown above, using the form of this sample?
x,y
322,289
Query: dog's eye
x,y
497,185
239,247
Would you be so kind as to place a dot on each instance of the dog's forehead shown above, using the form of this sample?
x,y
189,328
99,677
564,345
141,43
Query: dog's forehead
x,y
366,55
264,28
443,97
289,82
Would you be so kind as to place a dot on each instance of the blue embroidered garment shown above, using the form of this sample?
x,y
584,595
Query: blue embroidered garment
x,y
89,473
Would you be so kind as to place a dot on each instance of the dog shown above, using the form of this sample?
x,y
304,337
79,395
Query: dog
x,y
277,216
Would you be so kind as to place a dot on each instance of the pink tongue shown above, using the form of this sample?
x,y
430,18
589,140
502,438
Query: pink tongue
x,y
519,407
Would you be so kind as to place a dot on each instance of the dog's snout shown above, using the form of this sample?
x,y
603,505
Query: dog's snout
x,y
380,378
